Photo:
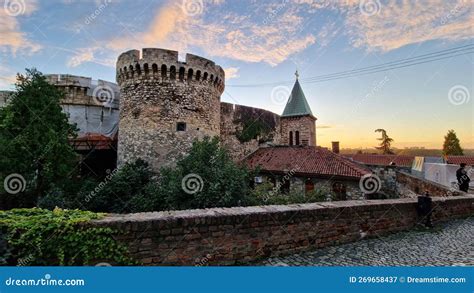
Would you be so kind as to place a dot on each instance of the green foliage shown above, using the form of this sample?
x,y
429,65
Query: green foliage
x,y
34,135
124,190
451,145
385,142
251,130
213,179
266,194
59,237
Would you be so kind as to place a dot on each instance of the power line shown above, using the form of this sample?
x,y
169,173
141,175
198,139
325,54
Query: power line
x,y
401,63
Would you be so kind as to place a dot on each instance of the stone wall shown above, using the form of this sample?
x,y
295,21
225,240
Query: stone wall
x,y
410,184
305,125
238,122
297,185
161,94
229,236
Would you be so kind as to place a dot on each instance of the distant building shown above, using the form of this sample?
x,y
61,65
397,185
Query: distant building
x,y
297,164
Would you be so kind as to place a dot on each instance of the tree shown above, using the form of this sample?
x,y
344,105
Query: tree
x,y
34,135
385,142
451,145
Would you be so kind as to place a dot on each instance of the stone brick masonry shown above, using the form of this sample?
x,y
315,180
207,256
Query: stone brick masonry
x,y
229,236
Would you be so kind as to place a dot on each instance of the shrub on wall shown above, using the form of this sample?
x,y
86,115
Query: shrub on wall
x,y
207,177
266,194
123,190
59,237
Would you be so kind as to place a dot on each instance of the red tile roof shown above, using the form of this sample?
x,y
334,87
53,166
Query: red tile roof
x,y
460,159
308,161
96,141
382,160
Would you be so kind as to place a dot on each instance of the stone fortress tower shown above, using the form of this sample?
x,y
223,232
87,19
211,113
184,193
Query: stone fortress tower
x,y
166,104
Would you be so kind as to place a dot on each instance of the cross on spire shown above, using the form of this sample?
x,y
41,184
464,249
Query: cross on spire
x,y
297,74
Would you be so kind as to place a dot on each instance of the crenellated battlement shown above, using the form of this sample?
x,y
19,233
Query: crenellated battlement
x,y
163,65
85,90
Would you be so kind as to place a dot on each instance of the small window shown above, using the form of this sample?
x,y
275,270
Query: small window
x,y
181,126
291,138
297,137
339,187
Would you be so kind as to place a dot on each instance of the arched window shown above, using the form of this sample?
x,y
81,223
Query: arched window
x,y
154,68
137,69
163,71
173,72
125,72
308,185
181,73
190,74
291,138
212,78
215,80
198,75
131,70
297,137
145,68
205,76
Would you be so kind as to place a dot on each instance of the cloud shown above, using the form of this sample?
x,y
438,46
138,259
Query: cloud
x,y
237,36
400,23
273,32
12,38
231,72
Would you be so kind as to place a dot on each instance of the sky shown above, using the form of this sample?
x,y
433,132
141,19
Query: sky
x,y
265,42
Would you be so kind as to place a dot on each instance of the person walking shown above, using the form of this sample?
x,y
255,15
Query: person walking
x,y
463,178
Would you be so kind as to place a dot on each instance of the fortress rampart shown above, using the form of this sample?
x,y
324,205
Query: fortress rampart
x,y
166,104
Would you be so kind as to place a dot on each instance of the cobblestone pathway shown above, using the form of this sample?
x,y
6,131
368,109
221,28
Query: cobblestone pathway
x,y
449,244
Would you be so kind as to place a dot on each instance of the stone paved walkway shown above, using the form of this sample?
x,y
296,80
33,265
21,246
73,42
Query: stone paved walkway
x,y
449,244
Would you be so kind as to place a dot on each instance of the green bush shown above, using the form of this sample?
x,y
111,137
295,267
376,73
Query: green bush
x,y
266,194
207,177
59,237
124,190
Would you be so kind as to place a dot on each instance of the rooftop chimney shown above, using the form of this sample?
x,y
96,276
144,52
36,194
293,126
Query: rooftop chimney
x,y
335,147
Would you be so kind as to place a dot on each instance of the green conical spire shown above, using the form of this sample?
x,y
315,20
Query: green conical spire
x,y
297,104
